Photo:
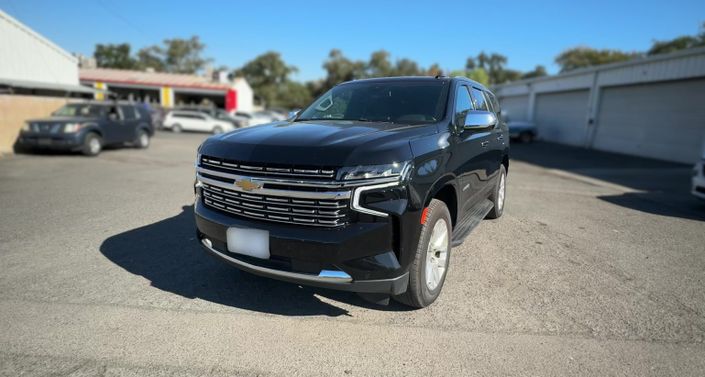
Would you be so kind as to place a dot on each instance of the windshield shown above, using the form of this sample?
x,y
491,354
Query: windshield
x,y
408,102
80,110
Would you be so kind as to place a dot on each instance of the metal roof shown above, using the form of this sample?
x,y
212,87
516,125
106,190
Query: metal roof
x,y
149,79
47,86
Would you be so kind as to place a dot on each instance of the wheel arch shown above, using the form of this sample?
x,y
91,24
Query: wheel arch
x,y
446,190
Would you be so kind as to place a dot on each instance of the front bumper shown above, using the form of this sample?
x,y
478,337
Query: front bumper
x,y
66,142
358,257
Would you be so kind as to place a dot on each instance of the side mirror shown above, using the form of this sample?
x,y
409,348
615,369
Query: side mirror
x,y
480,120
293,113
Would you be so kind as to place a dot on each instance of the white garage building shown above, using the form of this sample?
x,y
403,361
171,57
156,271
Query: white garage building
x,y
652,107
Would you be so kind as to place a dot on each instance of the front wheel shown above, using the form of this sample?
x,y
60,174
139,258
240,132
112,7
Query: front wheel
x,y
499,195
92,145
431,260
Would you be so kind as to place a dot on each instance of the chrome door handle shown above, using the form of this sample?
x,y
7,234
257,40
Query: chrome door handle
x,y
484,144
500,137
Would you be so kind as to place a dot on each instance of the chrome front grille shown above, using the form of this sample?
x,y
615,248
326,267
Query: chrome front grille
x,y
274,198
315,212
248,168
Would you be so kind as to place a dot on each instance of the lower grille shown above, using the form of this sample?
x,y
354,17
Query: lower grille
x,y
314,212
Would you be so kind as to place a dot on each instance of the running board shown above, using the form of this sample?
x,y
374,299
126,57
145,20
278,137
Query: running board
x,y
469,222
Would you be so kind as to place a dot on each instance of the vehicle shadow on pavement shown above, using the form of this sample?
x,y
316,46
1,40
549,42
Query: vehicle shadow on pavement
x,y
659,187
168,255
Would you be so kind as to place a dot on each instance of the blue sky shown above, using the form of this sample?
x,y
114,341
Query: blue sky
x,y
446,32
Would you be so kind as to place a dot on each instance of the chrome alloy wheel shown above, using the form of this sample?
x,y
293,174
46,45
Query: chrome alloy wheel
x,y
437,254
94,145
501,193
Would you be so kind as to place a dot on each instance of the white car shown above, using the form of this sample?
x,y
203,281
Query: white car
x,y
178,121
253,119
698,188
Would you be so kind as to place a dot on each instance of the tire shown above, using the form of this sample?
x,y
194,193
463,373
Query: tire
x,y
142,140
499,195
176,128
92,145
217,130
526,137
425,286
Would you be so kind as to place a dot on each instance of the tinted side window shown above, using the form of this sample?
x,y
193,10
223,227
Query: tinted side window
x,y
128,112
479,99
463,104
495,103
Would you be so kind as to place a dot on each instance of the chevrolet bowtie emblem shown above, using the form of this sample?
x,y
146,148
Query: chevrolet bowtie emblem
x,y
247,184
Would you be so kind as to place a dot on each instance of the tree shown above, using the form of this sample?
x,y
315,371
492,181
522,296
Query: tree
x,y
114,56
184,55
434,70
292,95
539,71
479,75
340,69
379,65
407,67
265,74
151,57
581,57
679,43
493,66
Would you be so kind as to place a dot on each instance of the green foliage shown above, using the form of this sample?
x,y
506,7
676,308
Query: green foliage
x,y
183,55
581,57
679,43
114,56
539,71
268,75
175,56
479,75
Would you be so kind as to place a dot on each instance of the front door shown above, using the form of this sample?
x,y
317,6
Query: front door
x,y
467,158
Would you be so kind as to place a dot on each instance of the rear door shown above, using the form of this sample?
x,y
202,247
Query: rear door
x,y
497,137
128,124
487,139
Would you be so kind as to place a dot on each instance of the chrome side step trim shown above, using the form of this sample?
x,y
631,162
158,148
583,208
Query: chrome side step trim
x,y
327,276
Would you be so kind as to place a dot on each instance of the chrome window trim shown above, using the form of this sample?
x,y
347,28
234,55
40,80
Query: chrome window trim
x,y
355,203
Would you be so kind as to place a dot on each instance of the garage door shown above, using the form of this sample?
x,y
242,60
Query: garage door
x,y
664,121
561,117
516,108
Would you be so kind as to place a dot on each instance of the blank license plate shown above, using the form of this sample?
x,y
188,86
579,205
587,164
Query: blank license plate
x,y
252,242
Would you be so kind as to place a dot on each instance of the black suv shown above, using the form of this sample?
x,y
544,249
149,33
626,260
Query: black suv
x,y
88,127
366,190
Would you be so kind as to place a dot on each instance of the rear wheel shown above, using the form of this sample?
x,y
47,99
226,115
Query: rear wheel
x,y
499,195
176,128
142,140
92,145
431,260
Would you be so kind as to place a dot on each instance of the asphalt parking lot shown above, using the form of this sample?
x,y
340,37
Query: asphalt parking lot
x,y
597,268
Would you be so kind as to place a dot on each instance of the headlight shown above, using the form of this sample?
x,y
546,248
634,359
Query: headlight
x,y
72,127
27,127
395,169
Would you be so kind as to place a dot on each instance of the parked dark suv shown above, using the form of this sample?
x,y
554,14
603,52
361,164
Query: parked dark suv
x,y
88,127
366,190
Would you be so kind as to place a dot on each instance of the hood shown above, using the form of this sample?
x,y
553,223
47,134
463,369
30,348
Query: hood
x,y
321,143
